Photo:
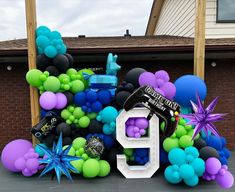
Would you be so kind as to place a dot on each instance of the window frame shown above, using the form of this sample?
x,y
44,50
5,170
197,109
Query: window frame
x,y
217,15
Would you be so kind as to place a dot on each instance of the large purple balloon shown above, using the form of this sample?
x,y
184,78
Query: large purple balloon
x,y
162,75
48,100
213,165
142,123
130,131
225,180
159,91
147,78
61,101
169,90
13,151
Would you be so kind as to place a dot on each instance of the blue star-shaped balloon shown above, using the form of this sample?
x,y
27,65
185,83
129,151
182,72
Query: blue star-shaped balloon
x,y
58,159
203,118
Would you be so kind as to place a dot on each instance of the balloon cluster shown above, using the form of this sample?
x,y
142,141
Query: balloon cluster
x,y
160,82
136,127
182,137
92,101
138,156
186,166
49,100
49,42
219,173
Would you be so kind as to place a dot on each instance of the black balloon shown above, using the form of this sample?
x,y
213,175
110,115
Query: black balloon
x,y
95,126
67,141
43,61
69,97
53,71
70,58
64,128
207,152
111,156
199,143
61,62
48,140
94,147
121,97
132,76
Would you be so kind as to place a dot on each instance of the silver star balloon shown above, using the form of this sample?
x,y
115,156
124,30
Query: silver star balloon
x,y
58,159
203,118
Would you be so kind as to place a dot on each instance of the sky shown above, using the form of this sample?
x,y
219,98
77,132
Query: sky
x,y
77,17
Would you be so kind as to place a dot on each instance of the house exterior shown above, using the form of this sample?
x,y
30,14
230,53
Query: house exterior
x,y
177,18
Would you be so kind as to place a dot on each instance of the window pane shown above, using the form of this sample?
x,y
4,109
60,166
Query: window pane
x,y
226,10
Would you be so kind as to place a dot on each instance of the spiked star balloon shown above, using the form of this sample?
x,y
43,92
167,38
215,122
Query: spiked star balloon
x,y
203,118
58,159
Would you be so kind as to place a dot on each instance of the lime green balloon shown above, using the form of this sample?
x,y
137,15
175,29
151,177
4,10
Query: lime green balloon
x,y
76,86
173,135
191,132
79,143
162,126
128,151
64,78
43,77
78,164
71,108
52,84
104,168
88,71
182,121
180,131
92,115
81,150
170,143
91,168
85,156
65,114
33,77
78,153
84,122
78,112
71,72
186,141
188,127
132,158
71,151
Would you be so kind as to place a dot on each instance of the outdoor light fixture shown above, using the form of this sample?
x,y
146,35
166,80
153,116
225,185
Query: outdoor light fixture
x,y
9,67
213,64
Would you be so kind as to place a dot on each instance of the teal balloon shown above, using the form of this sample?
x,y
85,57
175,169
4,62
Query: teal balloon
x,y
192,151
199,166
50,51
177,156
42,41
55,35
186,171
40,51
62,49
172,176
39,151
42,30
192,182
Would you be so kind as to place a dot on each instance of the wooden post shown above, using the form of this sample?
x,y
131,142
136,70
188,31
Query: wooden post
x,y
199,40
30,9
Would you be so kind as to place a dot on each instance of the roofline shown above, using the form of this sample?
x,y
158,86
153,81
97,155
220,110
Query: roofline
x,y
187,48
154,16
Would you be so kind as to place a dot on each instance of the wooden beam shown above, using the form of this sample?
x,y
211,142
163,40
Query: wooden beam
x,y
154,16
30,9
199,40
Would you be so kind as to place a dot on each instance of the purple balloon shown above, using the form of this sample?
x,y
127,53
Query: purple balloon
x,y
142,131
48,100
159,91
142,123
225,180
162,75
137,135
136,129
27,173
147,78
169,90
159,83
13,151
130,131
32,164
213,166
61,101
20,164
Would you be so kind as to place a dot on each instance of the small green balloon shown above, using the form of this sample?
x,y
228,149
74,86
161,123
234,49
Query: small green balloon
x,y
71,108
78,112
188,127
71,118
79,143
182,121
84,156
180,131
76,86
64,78
65,114
162,126
43,77
104,168
91,168
186,141
88,71
191,132
71,72
69,122
170,143
71,151
33,77
84,122
128,151
78,164
92,115
52,84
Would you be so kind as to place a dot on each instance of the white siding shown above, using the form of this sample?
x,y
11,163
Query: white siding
x,y
177,18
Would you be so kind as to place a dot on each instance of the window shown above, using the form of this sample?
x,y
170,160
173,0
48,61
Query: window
x,y
225,11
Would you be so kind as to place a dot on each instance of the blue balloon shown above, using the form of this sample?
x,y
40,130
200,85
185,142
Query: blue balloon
x,y
214,142
40,152
177,156
223,160
107,115
108,141
171,175
192,181
96,106
186,88
163,157
199,166
104,97
79,99
91,96
108,130
42,41
50,51
186,171
142,152
227,153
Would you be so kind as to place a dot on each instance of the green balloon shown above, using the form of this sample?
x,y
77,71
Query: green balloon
x,y
33,77
76,86
91,168
180,131
78,164
188,127
191,132
128,151
186,141
84,122
71,151
64,78
170,143
79,143
182,121
88,71
65,114
52,84
92,115
162,126
78,113
104,168
71,72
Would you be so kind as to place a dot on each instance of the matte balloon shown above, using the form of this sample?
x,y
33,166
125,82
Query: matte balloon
x,y
48,100
64,128
69,97
163,75
84,122
225,180
53,71
91,168
104,97
193,181
33,77
121,97
79,143
169,90
213,165
199,143
147,78
77,86
186,171
63,49
61,62
207,152
142,123
177,156
104,168
61,101
52,84
70,58
43,61
55,35
132,76
42,41
159,91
